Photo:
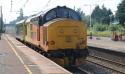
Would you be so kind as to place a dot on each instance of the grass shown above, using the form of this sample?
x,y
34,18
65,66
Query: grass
x,y
100,33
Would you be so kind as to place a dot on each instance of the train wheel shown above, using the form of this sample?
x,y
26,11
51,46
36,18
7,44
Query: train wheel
x,y
69,61
72,61
66,61
45,54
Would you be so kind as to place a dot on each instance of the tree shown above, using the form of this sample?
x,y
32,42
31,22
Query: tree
x,y
97,14
120,14
108,17
102,15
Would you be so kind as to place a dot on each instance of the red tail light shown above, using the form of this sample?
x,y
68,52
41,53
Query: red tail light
x,y
50,43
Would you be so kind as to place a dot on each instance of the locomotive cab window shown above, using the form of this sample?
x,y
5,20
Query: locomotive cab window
x,y
61,12
51,15
74,15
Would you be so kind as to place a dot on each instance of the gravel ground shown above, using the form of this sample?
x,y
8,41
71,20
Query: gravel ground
x,y
93,68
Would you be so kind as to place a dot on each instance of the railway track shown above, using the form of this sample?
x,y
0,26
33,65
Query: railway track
x,y
112,66
77,70
87,72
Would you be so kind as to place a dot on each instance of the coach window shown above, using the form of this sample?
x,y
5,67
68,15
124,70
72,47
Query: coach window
x,y
36,20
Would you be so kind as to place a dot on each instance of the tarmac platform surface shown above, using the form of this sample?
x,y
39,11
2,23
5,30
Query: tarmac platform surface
x,y
107,43
16,58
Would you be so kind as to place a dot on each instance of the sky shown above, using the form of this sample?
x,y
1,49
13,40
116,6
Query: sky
x,y
31,7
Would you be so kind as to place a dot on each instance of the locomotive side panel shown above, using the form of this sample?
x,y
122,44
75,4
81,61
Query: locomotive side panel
x,y
43,38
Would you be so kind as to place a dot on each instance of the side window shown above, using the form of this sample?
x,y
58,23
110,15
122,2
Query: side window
x,y
30,31
25,29
30,26
35,20
45,35
31,20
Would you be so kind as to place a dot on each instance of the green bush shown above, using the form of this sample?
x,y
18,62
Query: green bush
x,y
100,33
105,30
113,27
116,28
124,33
100,27
104,34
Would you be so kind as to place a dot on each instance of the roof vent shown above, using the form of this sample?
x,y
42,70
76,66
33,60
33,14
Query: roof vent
x,y
64,6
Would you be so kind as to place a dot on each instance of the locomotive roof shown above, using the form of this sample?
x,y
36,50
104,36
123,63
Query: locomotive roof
x,y
20,21
57,12
61,12
44,13
56,9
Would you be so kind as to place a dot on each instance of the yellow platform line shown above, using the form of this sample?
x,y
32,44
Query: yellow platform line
x,y
19,57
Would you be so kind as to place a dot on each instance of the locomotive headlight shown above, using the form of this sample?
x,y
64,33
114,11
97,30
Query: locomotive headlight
x,y
52,42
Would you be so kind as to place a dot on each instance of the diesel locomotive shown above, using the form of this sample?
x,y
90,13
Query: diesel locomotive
x,y
57,33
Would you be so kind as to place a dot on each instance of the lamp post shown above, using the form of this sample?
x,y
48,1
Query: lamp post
x,y
1,19
90,13
90,20
90,24
110,18
1,22
90,9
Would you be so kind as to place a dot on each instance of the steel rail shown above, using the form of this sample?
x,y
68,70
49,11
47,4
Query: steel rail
x,y
104,60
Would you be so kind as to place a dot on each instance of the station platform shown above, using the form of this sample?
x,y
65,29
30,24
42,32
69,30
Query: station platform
x,y
106,43
16,58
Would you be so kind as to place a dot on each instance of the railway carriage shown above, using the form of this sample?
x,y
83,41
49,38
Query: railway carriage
x,y
20,30
32,31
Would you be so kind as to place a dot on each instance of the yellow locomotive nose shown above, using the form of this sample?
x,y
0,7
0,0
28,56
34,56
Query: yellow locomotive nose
x,y
65,34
